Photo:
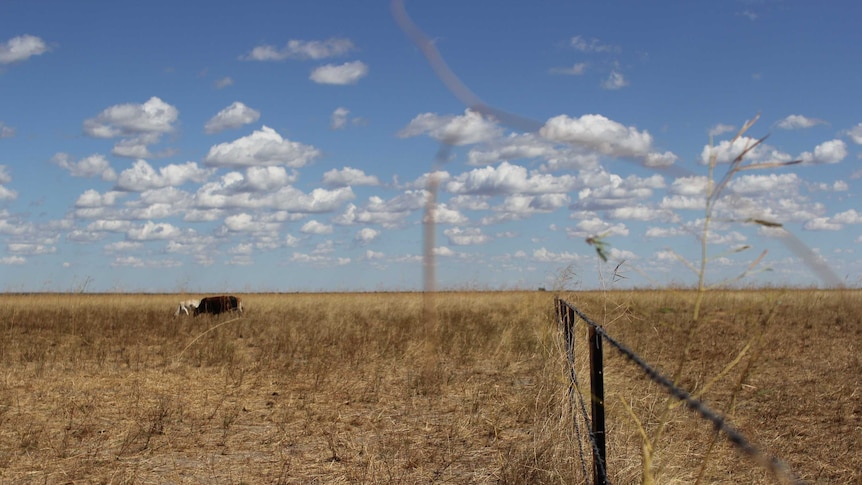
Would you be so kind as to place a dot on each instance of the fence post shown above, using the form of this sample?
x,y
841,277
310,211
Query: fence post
x,y
597,391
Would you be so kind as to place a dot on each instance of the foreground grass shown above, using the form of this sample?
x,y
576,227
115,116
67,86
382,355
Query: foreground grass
x,y
359,388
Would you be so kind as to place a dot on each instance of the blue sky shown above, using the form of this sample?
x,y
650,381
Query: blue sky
x,y
287,146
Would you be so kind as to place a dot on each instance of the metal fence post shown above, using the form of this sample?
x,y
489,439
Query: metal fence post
x,y
597,390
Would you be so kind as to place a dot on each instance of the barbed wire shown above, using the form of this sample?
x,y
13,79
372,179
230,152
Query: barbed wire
x,y
773,464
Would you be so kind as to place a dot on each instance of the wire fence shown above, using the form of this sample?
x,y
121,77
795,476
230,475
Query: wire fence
x,y
566,314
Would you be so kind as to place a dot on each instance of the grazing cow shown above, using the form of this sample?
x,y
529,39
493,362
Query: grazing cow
x,y
218,304
185,306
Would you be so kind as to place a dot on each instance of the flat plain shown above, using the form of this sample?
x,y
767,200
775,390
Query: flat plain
x,y
453,387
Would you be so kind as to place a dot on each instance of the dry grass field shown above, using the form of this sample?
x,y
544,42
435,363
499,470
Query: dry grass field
x,y
360,388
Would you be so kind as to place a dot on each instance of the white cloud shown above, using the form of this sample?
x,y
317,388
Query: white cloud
x,y
21,48
466,236
342,74
234,116
721,129
796,122
348,176
30,249
598,133
507,178
339,118
302,50
154,116
822,224
542,255
140,125
366,235
466,129
262,148
153,231
583,44
728,150
92,166
577,69
223,82
514,147
315,227
595,226
5,193
13,260
832,151
855,134
265,179
615,80
772,185
848,217
6,131
143,177
92,198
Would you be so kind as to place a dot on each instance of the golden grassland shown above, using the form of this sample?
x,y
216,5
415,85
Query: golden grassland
x,y
361,388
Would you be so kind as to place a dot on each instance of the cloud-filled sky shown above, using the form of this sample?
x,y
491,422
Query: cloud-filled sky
x,y
289,146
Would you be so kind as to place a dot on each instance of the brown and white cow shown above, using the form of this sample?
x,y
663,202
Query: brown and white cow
x,y
214,305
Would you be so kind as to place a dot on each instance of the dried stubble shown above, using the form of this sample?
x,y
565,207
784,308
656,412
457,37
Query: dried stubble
x,y
354,388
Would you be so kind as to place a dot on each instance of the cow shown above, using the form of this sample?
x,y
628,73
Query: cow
x,y
185,306
214,305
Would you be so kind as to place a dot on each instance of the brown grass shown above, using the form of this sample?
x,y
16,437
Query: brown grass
x,y
355,388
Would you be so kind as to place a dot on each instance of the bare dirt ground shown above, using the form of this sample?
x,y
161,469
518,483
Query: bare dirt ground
x,y
362,388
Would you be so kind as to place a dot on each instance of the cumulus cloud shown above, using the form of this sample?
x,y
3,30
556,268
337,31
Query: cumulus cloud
x,y
21,48
142,176
822,224
339,118
263,147
30,249
796,122
848,217
615,80
153,116
366,235
855,134
5,178
235,191
728,150
577,69
92,198
507,179
6,131
234,116
315,227
773,184
140,125
721,129
514,147
150,231
302,50
265,179
832,151
584,44
93,166
466,129
13,260
596,132
223,82
467,236
342,74
348,176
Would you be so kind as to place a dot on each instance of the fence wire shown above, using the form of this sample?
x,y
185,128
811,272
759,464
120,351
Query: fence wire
x,y
773,464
